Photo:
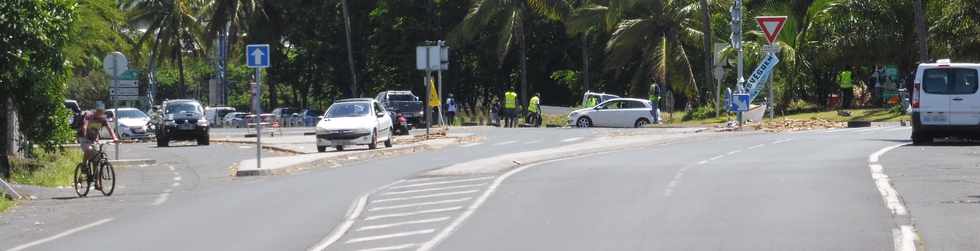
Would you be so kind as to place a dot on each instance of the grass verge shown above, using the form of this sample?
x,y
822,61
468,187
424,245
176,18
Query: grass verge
x,y
5,203
48,169
872,115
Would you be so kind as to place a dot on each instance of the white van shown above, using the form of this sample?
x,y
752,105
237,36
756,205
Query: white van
x,y
945,101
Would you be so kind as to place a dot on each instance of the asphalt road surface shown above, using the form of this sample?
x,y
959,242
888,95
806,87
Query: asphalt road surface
x,y
748,191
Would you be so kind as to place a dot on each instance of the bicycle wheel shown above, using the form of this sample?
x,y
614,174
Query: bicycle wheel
x,y
81,180
107,178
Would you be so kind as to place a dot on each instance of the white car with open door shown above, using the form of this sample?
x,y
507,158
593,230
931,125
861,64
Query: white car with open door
x,y
945,101
358,121
620,112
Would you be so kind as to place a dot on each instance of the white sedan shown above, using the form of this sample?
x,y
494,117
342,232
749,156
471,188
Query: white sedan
x,y
359,121
620,112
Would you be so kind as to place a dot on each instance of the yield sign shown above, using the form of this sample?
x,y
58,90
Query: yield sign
x,y
771,26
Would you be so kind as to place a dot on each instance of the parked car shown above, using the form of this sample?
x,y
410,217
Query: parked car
x,y
133,123
620,112
217,114
359,121
182,119
75,109
404,102
310,117
945,101
284,115
235,119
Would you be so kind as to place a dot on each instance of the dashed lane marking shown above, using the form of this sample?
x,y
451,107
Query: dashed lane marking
x,y
756,146
442,182
175,184
532,142
403,223
505,143
424,196
160,200
471,144
429,211
389,236
716,157
734,152
428,203
395,247
781,141
434,189
60,235
571,139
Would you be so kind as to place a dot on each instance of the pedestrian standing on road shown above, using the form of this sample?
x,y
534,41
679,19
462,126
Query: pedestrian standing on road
x,y
510,108
655,101
534,108
450,110
845,80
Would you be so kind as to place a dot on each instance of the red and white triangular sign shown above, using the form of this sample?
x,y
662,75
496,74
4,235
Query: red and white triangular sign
x,y
771,26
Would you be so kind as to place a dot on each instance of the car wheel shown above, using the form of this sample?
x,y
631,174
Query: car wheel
x,y
204,140
583,122
919,138
374,140
391,134
641,123
339,148
321,149
162,140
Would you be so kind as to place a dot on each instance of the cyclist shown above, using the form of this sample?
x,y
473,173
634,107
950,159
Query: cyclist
x,y
88,133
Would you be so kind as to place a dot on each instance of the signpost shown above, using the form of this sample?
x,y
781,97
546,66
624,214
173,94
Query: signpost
x,y
115,65
429,57
771,26
257,57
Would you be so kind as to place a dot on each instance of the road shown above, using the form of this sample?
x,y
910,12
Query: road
x,y
744,191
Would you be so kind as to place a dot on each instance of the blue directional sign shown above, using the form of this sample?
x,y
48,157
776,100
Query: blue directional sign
x,y
257,56
741,102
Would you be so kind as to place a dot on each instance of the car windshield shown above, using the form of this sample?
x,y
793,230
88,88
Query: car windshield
x,y
132,114
182,107
401,97
342,110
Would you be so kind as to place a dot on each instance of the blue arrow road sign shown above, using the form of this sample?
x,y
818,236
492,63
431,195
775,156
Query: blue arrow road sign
x,y
741,102
257,55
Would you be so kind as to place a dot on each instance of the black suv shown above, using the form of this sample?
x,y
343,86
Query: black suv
x,y
182,119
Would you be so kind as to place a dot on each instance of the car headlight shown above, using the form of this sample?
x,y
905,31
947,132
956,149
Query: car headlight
x,y
202,122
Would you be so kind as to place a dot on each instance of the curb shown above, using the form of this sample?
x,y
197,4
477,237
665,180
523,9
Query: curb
x,y
334,161
266,147
132,162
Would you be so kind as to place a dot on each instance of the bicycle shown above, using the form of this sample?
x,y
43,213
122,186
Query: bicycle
x,y
97,171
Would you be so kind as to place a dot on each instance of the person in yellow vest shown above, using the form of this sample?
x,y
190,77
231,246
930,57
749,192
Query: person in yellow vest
x,y
510,108
534,108
845,79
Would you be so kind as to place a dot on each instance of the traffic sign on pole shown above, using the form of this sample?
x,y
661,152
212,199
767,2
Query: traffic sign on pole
x,y
771,26
257,56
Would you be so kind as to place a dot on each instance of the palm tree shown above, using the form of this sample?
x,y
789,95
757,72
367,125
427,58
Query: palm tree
x,y
585,19
174,28
649,40
511,16
232,16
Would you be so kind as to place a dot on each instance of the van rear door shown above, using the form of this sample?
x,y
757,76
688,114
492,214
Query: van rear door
x,y
933,98
964,105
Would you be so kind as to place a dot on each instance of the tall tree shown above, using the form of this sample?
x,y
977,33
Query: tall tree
x,y
921,32
173,26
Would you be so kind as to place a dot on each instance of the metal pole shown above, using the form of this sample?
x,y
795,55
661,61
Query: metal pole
x,y
771,106
428,113
258,113
442,122
115,115
741,57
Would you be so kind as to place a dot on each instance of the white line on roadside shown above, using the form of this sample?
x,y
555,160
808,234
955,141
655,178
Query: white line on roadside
x,y
905,236
532,142
403,223
702,162
908,238
843,130
571,139
424,196
716,157
60,235
429,211
471,145
177,178
389,236
171,168
505,143
395,247
175,184
429,203
160,200
781,141
434,189
442,182
734,152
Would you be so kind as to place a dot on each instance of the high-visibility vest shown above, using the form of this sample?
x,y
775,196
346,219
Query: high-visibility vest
x,y
590,102
846,80
510,100
534,104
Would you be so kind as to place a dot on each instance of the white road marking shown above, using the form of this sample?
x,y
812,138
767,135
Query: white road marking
x,y
869,129
908,238
403,223
60,235
160,200
571,139
355,211
424,196
434,189
429,211
756,146
843,130
471,144
781,141
505,143
396,247
244,147
900,128
532,142
428,203
734,152
716,157
905,236
389,236
177,178
171,168
702,162
175,184
442,182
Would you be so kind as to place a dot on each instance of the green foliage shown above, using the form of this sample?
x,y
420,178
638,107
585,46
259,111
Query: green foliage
x,y
48,168
801,106
5,203
700,113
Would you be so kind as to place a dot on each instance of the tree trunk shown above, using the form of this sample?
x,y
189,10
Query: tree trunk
x,y
921,32
521,33
180,68
708,54
8,134
586,76
350,52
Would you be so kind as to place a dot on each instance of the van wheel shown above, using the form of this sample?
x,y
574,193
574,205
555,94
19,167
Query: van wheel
x,y
921,138
339,148
321,149
162,140
641,123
